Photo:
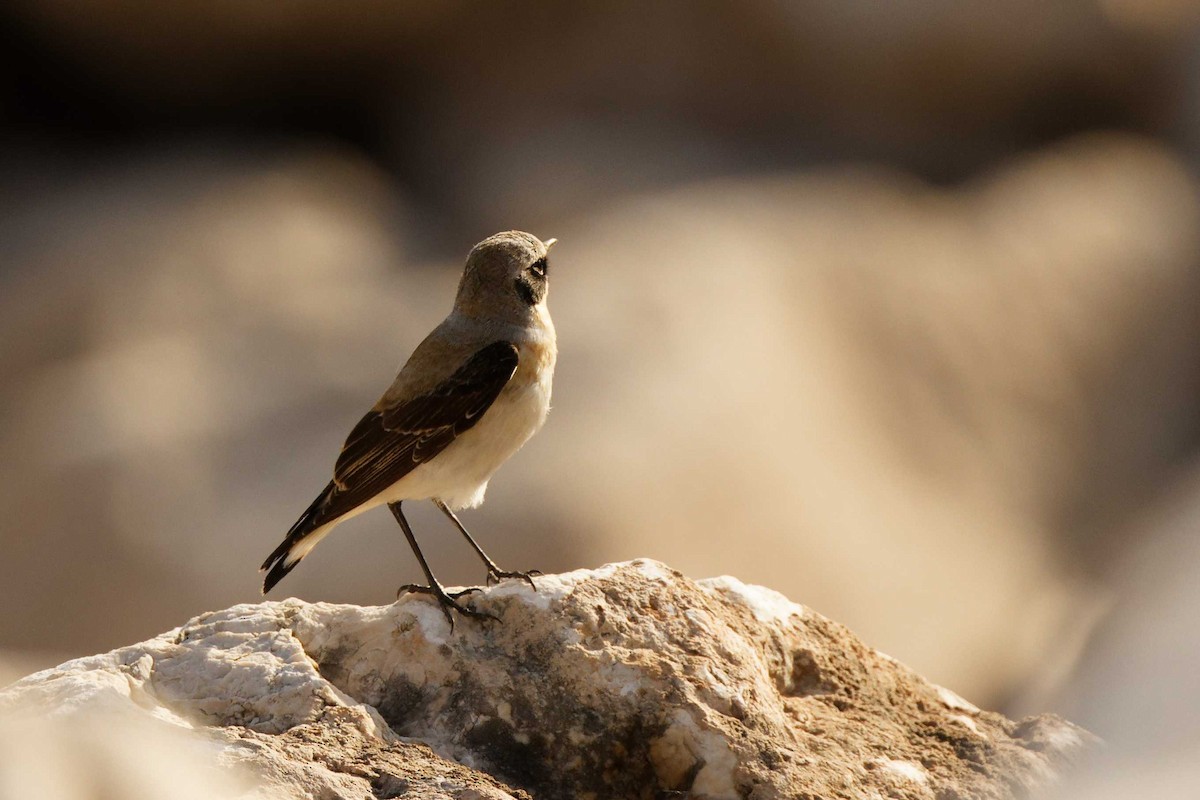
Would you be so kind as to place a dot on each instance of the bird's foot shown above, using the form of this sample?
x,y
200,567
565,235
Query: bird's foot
x,y
495,575
447,600
412,588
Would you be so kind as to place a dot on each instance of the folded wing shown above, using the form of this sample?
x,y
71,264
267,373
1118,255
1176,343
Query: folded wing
x,y
390,442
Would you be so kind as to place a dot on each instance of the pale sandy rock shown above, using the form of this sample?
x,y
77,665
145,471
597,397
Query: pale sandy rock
x,y
629,681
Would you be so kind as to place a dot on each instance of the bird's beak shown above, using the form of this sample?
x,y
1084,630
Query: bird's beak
x,y
550,243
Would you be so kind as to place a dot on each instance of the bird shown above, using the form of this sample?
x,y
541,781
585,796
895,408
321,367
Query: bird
x,y
470,395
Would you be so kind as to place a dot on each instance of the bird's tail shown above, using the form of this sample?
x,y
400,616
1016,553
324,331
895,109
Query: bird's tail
x,y
302,538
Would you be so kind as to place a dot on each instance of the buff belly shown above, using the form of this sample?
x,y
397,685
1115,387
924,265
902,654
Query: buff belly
x,y
459,475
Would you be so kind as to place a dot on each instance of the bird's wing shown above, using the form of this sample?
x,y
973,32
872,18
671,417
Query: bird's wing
x,y
389,442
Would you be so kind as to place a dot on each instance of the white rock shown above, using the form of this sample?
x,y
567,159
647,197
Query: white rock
x,y
608,683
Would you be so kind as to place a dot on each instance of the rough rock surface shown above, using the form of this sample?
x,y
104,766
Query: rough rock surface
x,y
629,681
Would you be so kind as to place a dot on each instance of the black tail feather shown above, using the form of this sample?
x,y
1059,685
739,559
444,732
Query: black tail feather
x,y
309,521
277,573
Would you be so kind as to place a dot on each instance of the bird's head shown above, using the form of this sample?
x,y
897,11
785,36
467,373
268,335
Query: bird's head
x,y
506,278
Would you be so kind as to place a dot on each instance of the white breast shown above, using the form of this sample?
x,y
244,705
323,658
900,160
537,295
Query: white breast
x,y
459,474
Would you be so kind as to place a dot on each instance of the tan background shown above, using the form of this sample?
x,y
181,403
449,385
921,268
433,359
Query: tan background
x,y
891,307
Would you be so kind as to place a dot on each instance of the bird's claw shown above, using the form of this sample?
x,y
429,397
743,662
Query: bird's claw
x,y
448,600
497,575
412,588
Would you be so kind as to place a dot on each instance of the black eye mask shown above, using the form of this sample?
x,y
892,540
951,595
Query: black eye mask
x,y
531,284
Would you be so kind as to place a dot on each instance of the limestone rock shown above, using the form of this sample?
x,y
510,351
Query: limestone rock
x,y
629,681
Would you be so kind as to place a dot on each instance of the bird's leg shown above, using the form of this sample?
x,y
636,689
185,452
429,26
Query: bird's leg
x,y
446,601
494,573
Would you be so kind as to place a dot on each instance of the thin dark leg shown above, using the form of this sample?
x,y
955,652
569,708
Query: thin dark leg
x,y
494,572
434,588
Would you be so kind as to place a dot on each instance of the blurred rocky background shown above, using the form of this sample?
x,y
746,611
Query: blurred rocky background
x,y
890,307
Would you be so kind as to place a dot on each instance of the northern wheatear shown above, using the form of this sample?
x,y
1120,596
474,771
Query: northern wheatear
x,y
469,396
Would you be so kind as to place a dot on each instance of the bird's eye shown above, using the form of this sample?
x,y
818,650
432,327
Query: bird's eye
x,y
539,268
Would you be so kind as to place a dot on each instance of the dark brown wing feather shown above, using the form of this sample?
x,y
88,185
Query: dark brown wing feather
x,y
388,444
